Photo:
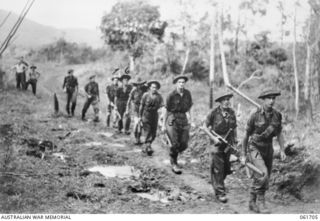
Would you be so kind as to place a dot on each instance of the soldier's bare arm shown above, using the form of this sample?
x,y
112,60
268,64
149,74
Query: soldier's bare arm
x,y
280,139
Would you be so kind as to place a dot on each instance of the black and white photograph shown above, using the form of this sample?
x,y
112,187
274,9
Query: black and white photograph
x,y
152,107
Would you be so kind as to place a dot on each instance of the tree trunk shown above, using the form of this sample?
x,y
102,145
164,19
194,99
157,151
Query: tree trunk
x,y
236,44
307,77
296,79
131,64
212,57
185,61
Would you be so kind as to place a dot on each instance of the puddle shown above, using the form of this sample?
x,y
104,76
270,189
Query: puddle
x,y
60,156
133,151
106,134
117,145
158,196
116,171
93,144
181,162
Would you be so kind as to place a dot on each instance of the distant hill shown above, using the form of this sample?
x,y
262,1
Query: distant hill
x,y
32,34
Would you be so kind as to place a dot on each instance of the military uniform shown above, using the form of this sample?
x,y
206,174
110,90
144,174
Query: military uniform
x,y
71,83
21,69
33,79
92,89
122,95
177,123
111,93
224,123
135,97
148,113
262,126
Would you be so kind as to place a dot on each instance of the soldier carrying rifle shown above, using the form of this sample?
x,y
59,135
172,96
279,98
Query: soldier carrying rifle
x,y
222,120
111,93
263,124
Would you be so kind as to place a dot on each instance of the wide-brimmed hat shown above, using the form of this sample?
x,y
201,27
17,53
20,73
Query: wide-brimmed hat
x,y
70,71
33,67
92,76
223,95
180,77
154,82
139,81
269,93
125,76
115,77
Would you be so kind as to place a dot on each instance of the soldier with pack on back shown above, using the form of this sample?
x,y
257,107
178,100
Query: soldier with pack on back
x,y
93,98
222,120
139,88
70,83
111,94
264,123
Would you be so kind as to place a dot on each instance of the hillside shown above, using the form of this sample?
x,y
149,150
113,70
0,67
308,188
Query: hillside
x,y
32,34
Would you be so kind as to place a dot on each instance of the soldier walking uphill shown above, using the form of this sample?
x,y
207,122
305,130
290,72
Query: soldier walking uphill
x,y
221,120
93,98
71,84
263,124
21,68
151,102
135,99
111,93
121,100
33,79
177,119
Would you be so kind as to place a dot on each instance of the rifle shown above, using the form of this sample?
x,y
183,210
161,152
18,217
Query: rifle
x,y
213,136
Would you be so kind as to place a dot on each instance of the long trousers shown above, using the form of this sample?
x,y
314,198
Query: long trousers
x,y
95,105
124,121
263,161
150,126
71,99
219,169
21,80
178,132
33,84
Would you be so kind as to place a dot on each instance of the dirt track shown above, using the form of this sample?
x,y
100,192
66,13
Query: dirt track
x,y
63,184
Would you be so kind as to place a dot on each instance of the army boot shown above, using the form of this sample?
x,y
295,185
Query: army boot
x,y
174,165
222,198
149,150
261,204
252,203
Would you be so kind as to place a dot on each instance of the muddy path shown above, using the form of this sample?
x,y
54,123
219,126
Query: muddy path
x,y
82,146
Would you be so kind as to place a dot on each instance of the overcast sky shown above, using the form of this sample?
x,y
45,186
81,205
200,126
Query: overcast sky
x,y
88,13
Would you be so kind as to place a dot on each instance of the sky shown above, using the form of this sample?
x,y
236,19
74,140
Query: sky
x,y
88,13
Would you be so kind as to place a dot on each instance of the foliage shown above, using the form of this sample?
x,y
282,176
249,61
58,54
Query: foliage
x,y
130,24
69,53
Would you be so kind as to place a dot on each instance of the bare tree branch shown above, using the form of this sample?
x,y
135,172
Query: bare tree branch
x,y
5,19
250,78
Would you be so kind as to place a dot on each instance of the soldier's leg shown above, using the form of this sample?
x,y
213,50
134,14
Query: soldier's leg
x,y
69,95
217,171
137,129
172,132
34,87
108,118
96,110
127,122
23,80
121,110
183,137
18,80
85,108
73,102
259,183
146,133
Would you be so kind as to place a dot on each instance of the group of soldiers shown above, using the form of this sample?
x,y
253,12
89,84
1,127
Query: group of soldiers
x,y
21,69
142,100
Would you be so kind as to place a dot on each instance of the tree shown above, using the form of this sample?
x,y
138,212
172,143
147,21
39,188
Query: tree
x,y
130,25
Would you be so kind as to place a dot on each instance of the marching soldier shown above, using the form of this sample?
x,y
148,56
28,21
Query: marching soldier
x,y
71,84
135,99
121,100
111,93
93,98
222,120
263,124
151,102
33,78
177,120
21,67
